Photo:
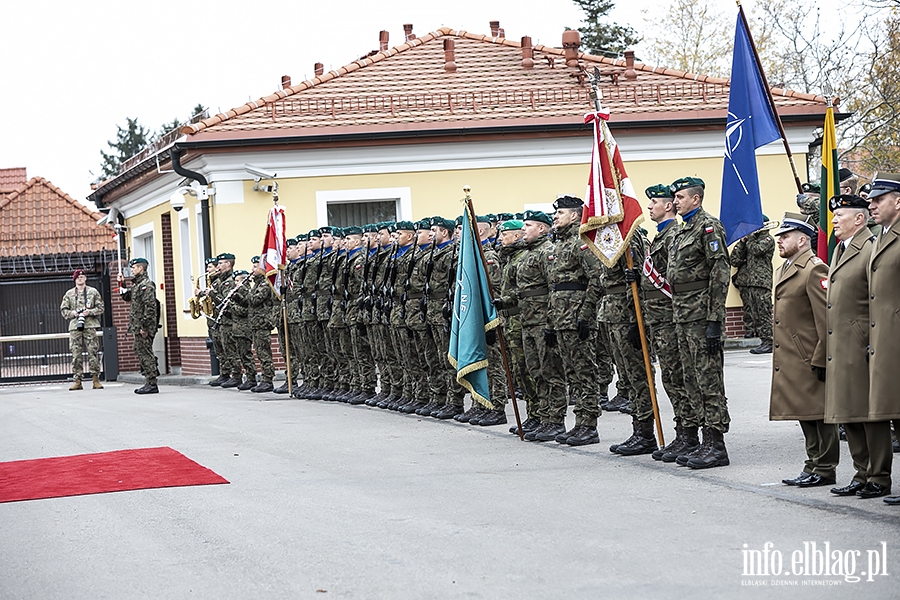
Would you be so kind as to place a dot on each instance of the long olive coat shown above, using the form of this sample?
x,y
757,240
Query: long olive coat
x,y
847,385
799,338
884,338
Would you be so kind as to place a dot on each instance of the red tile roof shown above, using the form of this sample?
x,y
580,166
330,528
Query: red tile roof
x,y
39,218
10,179
407,88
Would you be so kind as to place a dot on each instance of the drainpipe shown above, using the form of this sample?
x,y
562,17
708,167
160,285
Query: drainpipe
x,y
204,198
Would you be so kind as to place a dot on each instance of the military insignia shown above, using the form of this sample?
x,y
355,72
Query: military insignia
x,y
551,257
714,245
359,266
824,283
817,261
490,261
709,230
584,246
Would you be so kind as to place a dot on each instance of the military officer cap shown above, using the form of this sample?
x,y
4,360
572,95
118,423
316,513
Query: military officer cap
x,y
240,272
505,217
405,226
537,215
794,221
483,219
442,222
685,183
810,188
210,261
314,233
844,174
326,229
255,259
865,188
353,230
847,201
225,256
566,201
138,261
511,225
885,183
370,228
291,242
659,191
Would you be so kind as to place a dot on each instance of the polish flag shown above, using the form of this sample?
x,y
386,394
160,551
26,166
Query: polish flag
x,y
274,250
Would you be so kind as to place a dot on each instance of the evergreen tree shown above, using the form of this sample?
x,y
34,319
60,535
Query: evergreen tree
x,y
130,140
600,37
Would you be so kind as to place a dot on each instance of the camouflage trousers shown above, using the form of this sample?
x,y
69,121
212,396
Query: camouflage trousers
x,y
497,384
375,336
411,369
603,355
453,392
758,311
545,366
262,343
428,386
363,361
143,349
393,357
342,356
704,380
215,334
522,378
326,358
243,340
84,341
294,344
231,358
631,362
664,342
314,354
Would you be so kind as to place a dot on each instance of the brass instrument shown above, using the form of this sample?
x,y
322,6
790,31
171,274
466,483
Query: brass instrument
x,y
201,306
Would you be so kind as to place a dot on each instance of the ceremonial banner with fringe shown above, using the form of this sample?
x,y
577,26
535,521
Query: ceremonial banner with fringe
x,y
611,211
473,316
829,187
274,250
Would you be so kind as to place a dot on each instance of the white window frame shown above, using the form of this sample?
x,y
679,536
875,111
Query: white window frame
x,y
401,195
187,287
139,235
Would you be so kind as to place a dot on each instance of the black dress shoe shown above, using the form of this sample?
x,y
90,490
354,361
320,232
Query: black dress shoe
x,y
892,500
848,490
797,479
815,480
873,490
764,348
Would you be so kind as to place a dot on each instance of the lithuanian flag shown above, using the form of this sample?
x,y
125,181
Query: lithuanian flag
x,y
830,186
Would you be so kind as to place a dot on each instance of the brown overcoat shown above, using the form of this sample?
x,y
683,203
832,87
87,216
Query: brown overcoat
x,y
884,315
799,338
847,383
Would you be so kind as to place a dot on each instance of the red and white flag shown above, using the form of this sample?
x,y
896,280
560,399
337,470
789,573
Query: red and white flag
x,y
611,212
274,250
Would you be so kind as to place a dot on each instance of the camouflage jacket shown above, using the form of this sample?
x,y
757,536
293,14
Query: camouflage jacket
x,y
143,313
657,306
368,283
699,270
222,287
402,261
494,268
415,292
510,257
310,286
293,291
572,263
240,311
443,278
327,279
210,284
336,304
752,255
384,265
264,306
356,264
526,285
88,300
617,303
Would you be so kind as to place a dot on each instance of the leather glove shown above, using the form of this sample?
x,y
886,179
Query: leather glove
x,y
583,328
713,337
498,303
632,275
550,338
361,328
634,336
490,337
820,373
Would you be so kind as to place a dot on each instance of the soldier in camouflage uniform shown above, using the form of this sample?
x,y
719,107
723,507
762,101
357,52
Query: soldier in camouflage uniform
x,y
81,305
379,335
227,297
699,274
143,321
360,263
264,311
752,255
314,344
341,350
291,341
658,315
332,259
241,330
214,334
404,367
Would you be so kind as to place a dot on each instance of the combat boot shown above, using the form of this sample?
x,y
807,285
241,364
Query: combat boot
x,y
263,387
232,382
97,385
411,407
76,385
583,435
763,348
449,411
641,441
716,456
247,385
529,435
700,450
604,403
493,417
528,424
550,432
676,443
222,378
465,416
425,411
690,441
148,388
561,438
361,398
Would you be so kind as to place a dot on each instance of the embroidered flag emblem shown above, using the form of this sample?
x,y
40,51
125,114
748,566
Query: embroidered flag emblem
x,y
709,230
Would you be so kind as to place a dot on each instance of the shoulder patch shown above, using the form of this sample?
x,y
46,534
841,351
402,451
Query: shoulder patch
x,y
550,257
817,261
710,229
358,266
714,245
584,246
824,283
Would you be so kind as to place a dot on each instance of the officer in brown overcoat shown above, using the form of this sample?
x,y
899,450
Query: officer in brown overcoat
x,y
884,290
847,392
798,378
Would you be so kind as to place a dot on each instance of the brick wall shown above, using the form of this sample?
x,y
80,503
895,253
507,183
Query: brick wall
x,y
128,362
173,346
734,322
195,356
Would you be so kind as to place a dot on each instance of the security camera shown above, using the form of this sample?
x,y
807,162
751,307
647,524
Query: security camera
x,y
177,199
259,173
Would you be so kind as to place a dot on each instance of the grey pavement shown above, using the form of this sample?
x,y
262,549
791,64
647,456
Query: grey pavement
x,y
328,500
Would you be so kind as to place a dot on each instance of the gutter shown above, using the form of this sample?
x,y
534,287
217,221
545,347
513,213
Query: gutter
x,y
204,197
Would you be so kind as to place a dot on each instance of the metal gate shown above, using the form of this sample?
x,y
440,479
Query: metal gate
x,y
34,339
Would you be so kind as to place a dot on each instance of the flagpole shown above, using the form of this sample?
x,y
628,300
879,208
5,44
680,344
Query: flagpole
x,y
787,147
287,334
502,342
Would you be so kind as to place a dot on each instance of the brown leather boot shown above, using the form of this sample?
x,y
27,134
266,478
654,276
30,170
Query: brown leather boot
x,y
97,384
76,385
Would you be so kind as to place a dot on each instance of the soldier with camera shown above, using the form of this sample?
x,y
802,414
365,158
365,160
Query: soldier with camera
x,y
83,305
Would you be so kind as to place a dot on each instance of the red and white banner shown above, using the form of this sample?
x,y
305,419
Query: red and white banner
x,y
274,252
611,210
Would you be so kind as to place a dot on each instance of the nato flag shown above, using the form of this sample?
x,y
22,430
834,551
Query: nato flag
x,y
751,124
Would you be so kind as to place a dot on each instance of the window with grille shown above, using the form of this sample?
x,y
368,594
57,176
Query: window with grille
x,y
345,214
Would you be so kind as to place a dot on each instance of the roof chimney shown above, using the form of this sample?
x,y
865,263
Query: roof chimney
x,y
450,55
383,41
501,33
285,81
407,29
571,40
630,73
527,53
319,68
495,28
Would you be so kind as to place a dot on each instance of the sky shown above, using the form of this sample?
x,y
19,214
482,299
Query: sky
x,y
72,71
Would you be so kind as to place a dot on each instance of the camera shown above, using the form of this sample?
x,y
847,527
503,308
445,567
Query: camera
x,y
80,324
260,173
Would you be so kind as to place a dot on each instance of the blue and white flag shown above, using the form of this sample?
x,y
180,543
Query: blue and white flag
x,y
473,315
751,124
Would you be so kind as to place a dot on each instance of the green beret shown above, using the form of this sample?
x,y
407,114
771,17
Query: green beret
x,y
353,230
338,232
442,222
505,217
255,259
537,215
225,256
459,221
370,228
811,188
210,261
511,225
566,201
483,219
241,272
659,191
292,241
326,229
492,217
302,238
138,261
423,223
389,225
314,233
404,226
685,183
520,216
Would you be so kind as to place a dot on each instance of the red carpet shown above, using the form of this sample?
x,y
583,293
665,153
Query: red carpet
x,y
98,473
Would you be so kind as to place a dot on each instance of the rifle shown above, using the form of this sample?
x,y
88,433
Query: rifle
x,y
389,290
227,302
345,281
378,292
409,271
303,270
429,269
313,298
364,286
334,270
447,311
